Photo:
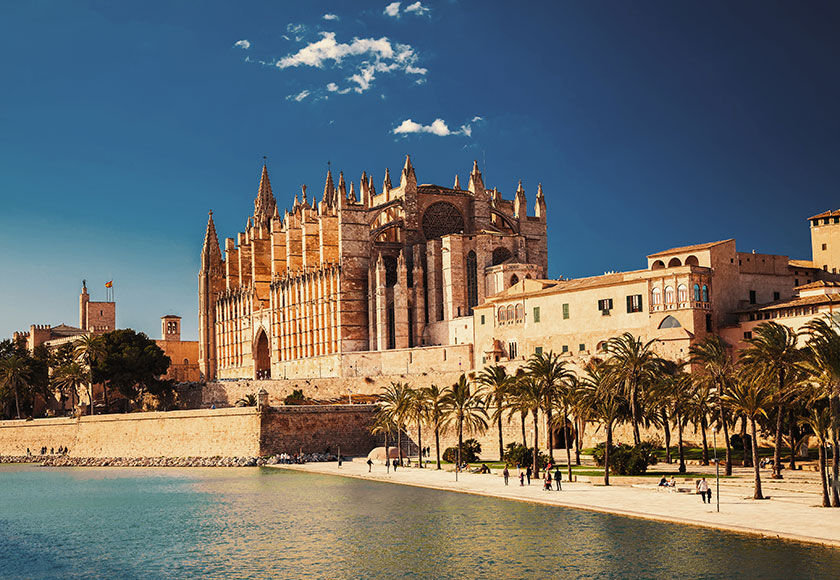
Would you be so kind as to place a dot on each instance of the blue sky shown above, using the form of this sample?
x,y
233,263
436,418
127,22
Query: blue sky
x,y
649,124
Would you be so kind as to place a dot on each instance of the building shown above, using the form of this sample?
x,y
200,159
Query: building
x,y
183,354
94,318
362,282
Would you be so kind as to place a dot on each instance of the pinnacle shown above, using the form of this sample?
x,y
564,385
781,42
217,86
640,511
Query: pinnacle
x,y
457,183
519,190
475,166
408,166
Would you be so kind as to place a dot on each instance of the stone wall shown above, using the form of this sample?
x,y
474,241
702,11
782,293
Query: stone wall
x,y
318,429
232,432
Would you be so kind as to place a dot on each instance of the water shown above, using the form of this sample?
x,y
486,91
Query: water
x,y
263,522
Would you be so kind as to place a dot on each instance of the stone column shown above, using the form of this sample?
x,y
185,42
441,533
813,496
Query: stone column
x,y
433,279
381,306
401,305
454,280
372,306
419,298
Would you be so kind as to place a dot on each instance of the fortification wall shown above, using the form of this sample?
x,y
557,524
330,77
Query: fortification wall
x,y
316,429
232,432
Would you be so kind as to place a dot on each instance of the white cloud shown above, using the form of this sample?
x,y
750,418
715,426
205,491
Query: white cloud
x,y
296,31
437,127
477,118
417,9
327,49
243,44
330,17
393,10
298,97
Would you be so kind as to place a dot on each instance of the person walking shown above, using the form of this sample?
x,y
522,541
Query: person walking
x,y
528,474
521,479
547,481
557,477
703,488
370,464
506,474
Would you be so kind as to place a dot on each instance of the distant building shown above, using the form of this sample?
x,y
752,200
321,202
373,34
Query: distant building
x,y
183,354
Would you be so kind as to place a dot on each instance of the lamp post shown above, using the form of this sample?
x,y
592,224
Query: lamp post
x,y
717,469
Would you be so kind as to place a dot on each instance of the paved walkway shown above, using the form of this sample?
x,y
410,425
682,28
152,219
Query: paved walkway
x,y
789,514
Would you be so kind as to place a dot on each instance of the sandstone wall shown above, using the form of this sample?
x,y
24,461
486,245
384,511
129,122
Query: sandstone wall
x,y
318,429
232,432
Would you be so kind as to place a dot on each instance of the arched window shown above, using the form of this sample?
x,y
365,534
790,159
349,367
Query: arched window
x,y
514,280
510,314
682,293
440,219
697,292
692,261
674,263
601,347
657,265
472,281
520,313
670,322
502,316
705,293
656,296
669,294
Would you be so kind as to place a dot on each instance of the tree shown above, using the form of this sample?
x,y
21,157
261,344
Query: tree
x,y
551,374
750,396
773,355
435,413
497,385
819,420
678,393
394,404
529,397
67,379
599,393
249,400
416,412
384,425
130,362
515,403
88,349
636,367
712,355
15,375
466,410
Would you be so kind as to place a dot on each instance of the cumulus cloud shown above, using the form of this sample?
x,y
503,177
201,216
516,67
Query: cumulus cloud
x,y
393,10
243,44
330,17
437,127
298,97
417,8
477,118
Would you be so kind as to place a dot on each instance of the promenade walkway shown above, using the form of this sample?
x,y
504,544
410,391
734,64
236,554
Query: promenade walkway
x,y
790,513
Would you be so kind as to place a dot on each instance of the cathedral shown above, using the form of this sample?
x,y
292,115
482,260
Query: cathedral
x,y
361,282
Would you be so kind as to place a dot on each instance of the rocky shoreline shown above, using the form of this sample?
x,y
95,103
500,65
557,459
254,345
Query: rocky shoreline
x,y
70,461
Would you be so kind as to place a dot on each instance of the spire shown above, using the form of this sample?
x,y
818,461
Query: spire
x,y
84,282
342,186
352,195
371,186
329,189
386,184
407,176
265,203
540,210
210,253
457,184
303,194
476,186
519,202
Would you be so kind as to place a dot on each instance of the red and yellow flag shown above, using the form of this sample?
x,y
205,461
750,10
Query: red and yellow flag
x,y
109,284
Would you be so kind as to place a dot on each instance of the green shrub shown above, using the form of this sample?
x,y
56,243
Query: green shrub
x,y
470,451
518,455
626,459
296,398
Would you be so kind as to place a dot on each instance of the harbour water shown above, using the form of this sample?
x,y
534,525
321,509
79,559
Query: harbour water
x,y
264,522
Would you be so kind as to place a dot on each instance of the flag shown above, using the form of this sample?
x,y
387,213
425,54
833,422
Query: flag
x,y
109,284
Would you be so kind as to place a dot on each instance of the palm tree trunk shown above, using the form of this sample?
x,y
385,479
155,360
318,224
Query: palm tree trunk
x,y
536,445
419,446
666,425
607,453
387,454
105,395
680,442
577,441
548,434
501,442
399,444
757,494
637,438
437,444
792,437
726,441
705,460
826,501
834,405
460,442
524,438
17,402
747,454
777,445
568,443
90,398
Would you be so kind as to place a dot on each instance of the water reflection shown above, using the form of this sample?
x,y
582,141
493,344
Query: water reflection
x,y
256,523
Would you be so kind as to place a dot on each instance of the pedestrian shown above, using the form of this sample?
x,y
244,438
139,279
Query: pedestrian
x,y
339,460
394,464
547,481
521,479
703,488
528,474
557,478
506,473
370,464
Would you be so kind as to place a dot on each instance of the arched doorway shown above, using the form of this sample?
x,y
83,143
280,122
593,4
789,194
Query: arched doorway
x,y
558,436
262,358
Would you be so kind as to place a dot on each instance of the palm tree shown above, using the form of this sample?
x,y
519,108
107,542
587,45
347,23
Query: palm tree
x,y
435,409
750,396
416,411
394,402
636,366
819,420
822,365
773,355
383,424
700,414
466,409
599,393
249,400
15,374
88,349
712,355
496,384
529,396
67,379
551,374
678,392
515,403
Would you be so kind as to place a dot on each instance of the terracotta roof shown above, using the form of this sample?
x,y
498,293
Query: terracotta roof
x,y
802,264
542,287
819,284
63,329
794,302
829,213
694,248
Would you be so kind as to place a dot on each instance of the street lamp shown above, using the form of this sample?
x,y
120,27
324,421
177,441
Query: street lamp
x,y
717,468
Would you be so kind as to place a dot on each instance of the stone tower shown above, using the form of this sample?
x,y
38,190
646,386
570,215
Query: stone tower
x,y
210,280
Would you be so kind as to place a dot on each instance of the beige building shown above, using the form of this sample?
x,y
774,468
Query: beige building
x,y
362,282
183,354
